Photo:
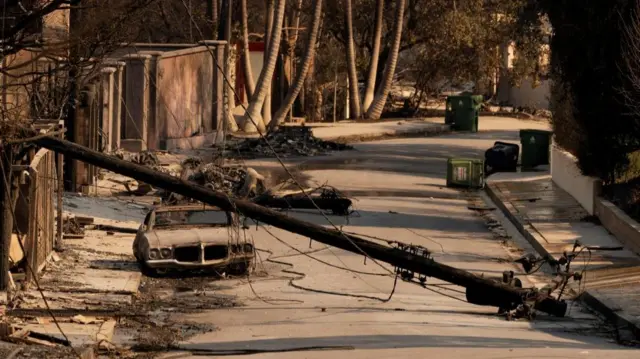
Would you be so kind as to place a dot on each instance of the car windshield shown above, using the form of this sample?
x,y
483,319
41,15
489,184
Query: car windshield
x,y
192,217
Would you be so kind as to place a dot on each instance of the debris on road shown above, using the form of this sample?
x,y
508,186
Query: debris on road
x,y
110,228
235,180
71,226
328,198
287,141
144,158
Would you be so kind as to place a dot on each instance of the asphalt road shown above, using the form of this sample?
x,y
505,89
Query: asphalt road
x,y
331,303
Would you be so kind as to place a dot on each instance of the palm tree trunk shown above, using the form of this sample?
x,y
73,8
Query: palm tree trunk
x,y
294,90
268,32
224,33
288,62
266,75
370,87
354,93
375,111
212,17
246,55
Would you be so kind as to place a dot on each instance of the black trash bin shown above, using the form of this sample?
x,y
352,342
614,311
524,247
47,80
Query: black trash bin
x,y
502,157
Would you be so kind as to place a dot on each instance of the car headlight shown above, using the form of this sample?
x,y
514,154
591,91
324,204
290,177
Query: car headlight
x,y
248,248
154,253
165,253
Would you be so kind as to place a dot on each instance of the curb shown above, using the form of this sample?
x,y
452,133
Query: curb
x,y
423,132
601,305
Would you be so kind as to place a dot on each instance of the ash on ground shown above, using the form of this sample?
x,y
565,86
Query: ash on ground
x,y
287,141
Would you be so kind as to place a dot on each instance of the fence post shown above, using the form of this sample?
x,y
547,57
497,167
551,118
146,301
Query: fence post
x,y
60,177
6,227
10,190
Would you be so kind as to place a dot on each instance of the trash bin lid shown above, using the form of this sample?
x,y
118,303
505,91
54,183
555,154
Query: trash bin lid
x,y
528,132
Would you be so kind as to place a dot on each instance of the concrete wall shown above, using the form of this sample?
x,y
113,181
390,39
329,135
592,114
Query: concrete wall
x,y
528,95
525,95
56,24
566,174
185,93
623,227
15,97
170,95
135,48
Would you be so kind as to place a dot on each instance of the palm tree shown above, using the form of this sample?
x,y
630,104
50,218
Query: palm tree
x,y
266,75
294,90
354,93
370,87
268,30
375,110
246,58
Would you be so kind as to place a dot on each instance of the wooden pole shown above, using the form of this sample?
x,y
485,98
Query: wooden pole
x,y
497,293
60,176
6,226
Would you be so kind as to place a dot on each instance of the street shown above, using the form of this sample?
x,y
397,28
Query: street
x,y
305,297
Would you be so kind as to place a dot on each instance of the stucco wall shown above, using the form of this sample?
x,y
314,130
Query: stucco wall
x,y
527,95
566,174
135,48
185,92
56,25
15,97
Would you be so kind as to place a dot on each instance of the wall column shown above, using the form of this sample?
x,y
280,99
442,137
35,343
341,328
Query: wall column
x,y
137,96
154,133
106,115
217,111
116,121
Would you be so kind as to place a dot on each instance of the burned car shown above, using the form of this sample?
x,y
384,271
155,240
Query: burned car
x,y
192,237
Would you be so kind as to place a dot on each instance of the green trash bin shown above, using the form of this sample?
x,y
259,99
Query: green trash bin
x,y
465,172
535,146
462,112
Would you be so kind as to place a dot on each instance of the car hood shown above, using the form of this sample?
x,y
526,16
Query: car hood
x,y
184,236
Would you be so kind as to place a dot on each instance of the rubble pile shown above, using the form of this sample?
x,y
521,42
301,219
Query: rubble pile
x,y
144,158
231,180
287,141
71,225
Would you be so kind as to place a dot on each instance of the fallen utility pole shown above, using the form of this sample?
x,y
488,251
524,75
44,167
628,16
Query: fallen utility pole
x,y
494,293
338,206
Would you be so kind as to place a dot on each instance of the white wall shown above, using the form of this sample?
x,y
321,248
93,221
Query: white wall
x,y
527,95
566,174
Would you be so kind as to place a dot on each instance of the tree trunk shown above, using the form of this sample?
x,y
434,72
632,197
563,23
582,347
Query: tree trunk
x,y
292,40
375,111
370,87
268,34
354,93
246,54
230,97
294,90
212,16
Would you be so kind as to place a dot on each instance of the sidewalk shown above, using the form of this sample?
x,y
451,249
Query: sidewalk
x,y
356,132
90,281
551,220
